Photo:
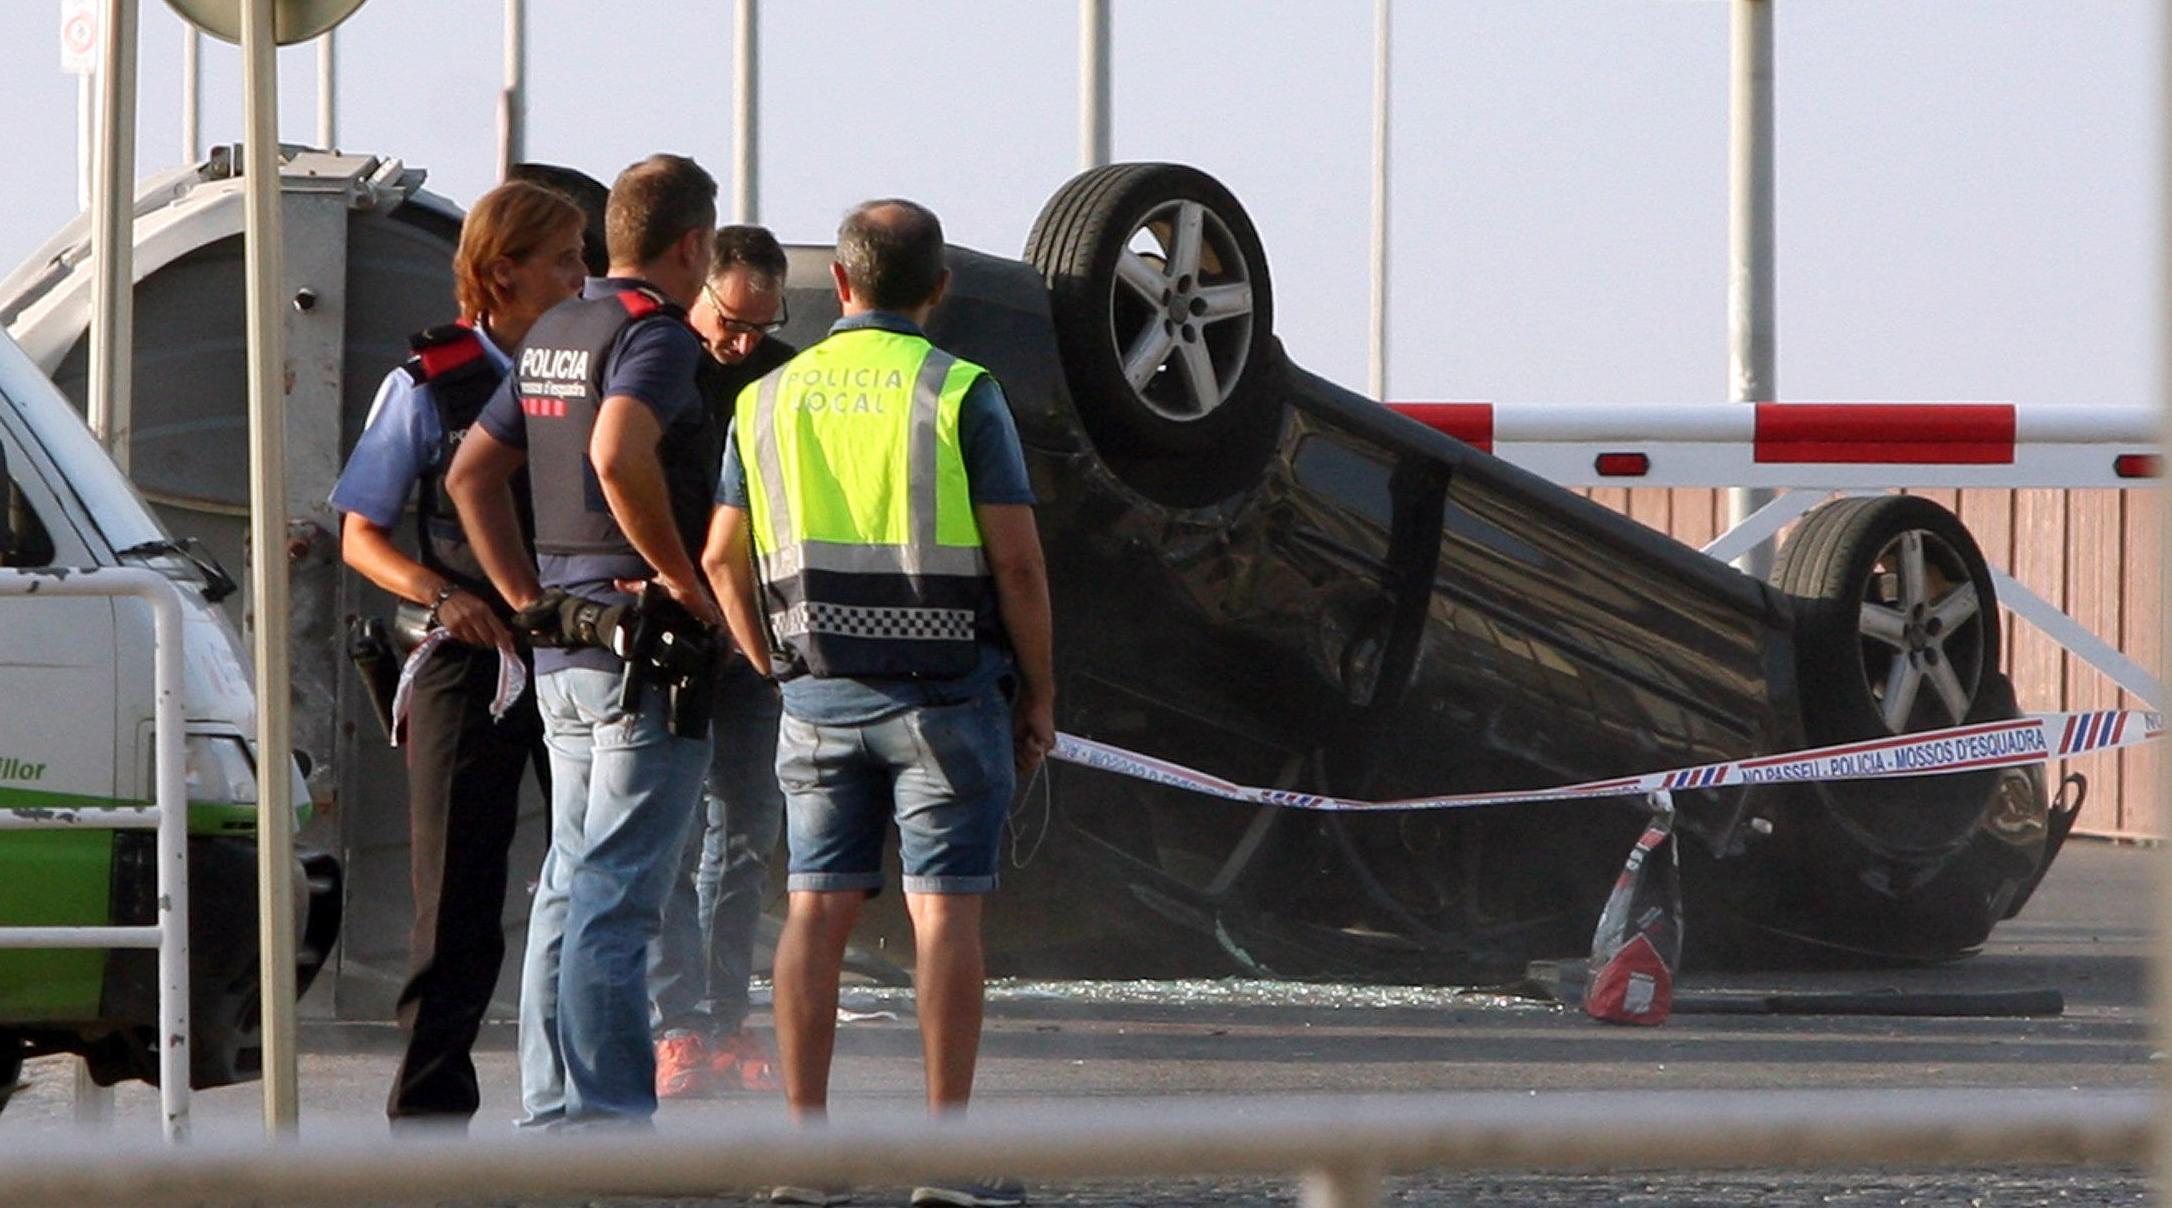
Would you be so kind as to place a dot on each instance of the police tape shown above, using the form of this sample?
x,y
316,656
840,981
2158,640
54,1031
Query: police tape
x,y
2014,742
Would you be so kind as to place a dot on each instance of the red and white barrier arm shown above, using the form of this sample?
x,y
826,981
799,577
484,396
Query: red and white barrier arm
x,y
1838,445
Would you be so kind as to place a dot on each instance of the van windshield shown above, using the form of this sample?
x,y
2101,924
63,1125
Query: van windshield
x,y
98,487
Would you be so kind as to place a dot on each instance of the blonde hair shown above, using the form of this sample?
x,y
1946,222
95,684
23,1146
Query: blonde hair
x,y
511,221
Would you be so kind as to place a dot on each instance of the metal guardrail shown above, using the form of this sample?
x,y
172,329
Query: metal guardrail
x,y
168,815
1341,1148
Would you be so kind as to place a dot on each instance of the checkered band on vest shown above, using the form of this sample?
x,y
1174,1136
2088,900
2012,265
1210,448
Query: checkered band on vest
x,y
864,621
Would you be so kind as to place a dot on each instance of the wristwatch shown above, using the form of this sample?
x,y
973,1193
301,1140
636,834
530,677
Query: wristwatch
x,y
443,594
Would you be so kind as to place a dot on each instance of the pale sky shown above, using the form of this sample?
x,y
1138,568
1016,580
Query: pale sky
x,y
1968,188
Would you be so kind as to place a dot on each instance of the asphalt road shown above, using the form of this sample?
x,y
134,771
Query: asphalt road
x,y
2086,935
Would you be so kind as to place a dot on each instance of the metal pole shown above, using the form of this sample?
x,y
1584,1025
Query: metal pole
x,y
513,98
113,211
1752,363
94,1103
192,95
328,90
268,563
2161,967
1093,83
169,771
1340,1187
1376,378
86,137
746,112
1600,1130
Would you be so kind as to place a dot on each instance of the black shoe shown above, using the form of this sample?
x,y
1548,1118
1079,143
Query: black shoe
x,y
975,1193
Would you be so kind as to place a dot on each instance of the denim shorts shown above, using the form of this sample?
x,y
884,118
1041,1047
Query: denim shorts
x,y
943,773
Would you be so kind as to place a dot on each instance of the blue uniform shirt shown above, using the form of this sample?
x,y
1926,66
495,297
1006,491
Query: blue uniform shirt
x,y
401,441
652,363
995,472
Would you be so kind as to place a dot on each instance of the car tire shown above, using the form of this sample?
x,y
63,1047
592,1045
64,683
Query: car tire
x,y
1163,313
1881,650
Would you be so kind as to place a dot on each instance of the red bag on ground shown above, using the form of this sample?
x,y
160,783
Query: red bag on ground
x,y
1638,942
1633,986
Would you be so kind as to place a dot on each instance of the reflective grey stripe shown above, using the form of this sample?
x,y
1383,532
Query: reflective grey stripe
x,y
873,560
879,622
920,463
771,468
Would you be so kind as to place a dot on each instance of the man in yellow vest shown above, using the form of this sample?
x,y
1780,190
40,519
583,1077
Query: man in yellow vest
x,y
895,588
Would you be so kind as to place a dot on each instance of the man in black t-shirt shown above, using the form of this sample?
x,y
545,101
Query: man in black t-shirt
x,y
699,967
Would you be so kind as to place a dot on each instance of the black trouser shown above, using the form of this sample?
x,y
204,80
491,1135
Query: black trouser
x,y
463,795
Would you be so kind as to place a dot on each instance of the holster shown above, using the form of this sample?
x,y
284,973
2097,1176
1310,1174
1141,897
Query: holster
x,y
377,664
664,646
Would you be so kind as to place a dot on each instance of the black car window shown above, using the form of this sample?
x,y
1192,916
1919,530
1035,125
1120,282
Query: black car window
x,y
23,539
1347,477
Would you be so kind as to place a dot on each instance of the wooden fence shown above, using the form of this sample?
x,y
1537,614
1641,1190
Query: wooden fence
x,y
2093,553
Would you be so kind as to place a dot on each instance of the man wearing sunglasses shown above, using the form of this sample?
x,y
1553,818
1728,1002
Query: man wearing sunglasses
x,y
699,967
743,303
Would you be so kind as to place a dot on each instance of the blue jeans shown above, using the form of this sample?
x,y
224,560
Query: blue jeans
x,y
623,793
943,773
699,968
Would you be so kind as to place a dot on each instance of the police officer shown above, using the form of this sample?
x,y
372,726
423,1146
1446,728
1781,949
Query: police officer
x,y
902,601
601,408
519,255
698,974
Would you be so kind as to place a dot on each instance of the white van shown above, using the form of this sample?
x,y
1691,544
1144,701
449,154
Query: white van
x,y
368,261
75,728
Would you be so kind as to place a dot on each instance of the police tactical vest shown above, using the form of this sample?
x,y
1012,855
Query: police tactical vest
x,y
559,378
869,556
456,375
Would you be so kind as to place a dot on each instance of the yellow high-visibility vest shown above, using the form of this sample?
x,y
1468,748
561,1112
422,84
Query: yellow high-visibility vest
x,y
865,544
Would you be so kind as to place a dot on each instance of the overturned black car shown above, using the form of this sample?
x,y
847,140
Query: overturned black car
x,y
1256,573
1262,575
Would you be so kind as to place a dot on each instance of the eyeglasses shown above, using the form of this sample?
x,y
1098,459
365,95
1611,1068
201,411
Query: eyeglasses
x,y
740,327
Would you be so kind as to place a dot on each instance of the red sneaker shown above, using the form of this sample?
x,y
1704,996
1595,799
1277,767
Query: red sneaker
x,y
739,1062
684,1067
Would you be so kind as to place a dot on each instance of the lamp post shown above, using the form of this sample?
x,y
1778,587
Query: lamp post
x,y
746,116
1093,83
192,95
513,97
328,90
1376,377
113,211
268,543
1752,351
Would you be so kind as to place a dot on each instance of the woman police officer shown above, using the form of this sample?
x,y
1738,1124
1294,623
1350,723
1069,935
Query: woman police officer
x,y
519,256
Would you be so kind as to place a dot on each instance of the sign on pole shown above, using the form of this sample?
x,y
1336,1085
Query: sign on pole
x,y
289,21
261,26
78,36
79,57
